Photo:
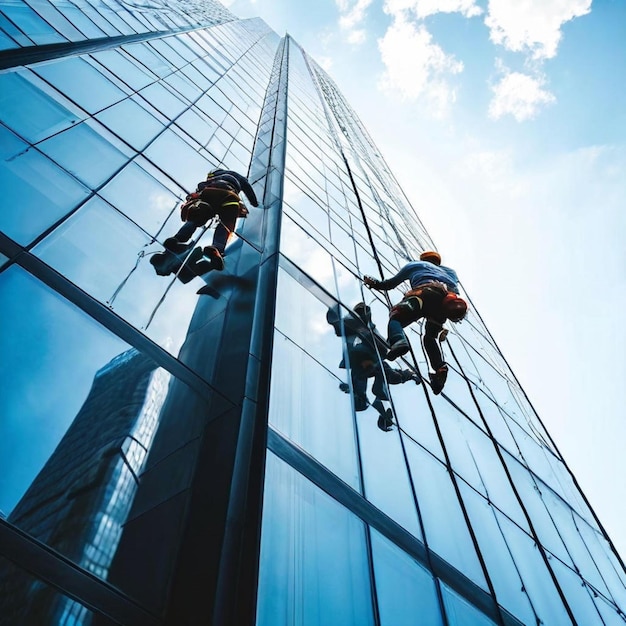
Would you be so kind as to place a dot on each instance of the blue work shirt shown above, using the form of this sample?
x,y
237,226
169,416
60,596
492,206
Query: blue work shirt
x,y
422,272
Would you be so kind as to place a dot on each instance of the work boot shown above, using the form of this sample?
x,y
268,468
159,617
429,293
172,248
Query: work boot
x,y
215,256
190,269
177,247
164,263
438,379
385,421
397,349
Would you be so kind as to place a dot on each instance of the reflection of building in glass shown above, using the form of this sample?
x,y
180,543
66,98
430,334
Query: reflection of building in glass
x,y
265,497
80,500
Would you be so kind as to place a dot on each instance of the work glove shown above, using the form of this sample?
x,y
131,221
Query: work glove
x,y
371,282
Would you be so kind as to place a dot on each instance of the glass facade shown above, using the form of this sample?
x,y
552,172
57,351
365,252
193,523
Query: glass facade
x,y
195,448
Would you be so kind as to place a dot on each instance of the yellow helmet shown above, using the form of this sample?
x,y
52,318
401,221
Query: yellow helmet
x,y
431,256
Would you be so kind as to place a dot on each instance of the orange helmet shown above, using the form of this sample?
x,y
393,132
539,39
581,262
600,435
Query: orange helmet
x,y
455,308
431,256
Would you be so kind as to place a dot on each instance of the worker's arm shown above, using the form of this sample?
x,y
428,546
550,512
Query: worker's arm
x,y
394,281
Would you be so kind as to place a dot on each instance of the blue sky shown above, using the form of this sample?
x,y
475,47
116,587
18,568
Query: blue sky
x,y
505,124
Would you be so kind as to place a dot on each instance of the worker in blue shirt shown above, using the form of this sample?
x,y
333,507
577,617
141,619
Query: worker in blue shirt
x,y
434,296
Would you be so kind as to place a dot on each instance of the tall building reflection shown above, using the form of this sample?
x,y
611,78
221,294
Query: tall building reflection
x,y
80,500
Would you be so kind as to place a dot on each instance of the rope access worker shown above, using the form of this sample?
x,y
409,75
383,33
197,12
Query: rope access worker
x,y
364,362
217,195
434,296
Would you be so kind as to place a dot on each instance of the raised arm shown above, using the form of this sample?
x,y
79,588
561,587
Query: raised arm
x,y
394,281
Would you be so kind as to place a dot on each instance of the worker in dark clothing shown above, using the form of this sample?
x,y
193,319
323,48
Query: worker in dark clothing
x,y
217,195
434,296
364,362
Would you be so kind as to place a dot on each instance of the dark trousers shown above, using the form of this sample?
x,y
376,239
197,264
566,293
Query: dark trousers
x,y
413,308
220,202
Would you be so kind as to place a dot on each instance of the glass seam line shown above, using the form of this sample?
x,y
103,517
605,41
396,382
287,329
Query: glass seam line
x,y
255,408
328,482
64,575
109,319
518,497
404,452
28,55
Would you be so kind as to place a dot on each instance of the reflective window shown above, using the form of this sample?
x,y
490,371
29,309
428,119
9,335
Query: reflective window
x,y
26,600
164,100
36,191
81,82
28,111
406,592
509,589
144,199
43,390
189,166
70,148
30,22
132,122
308,407
306,536
445,527
125,68
536,579
460,612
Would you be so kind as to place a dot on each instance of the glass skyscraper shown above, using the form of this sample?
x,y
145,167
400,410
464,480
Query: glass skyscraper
x,y
175,458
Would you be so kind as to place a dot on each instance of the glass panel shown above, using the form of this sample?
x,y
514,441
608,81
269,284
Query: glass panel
x,y
460,612
302,317
108,256
187,168
577,594
124,68
82,83
131,122
445,527
488,475
30,112
73,149
80,414
144,199
308,408
414,416
308,254
532,497
36,192
537,582
504,576
29,22
385,473
25,599
163,100
609,613
406,592
313,565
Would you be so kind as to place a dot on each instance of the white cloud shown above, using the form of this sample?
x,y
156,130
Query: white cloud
x,y
424,8
357,37
532,25
351,16
416,66
519,95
